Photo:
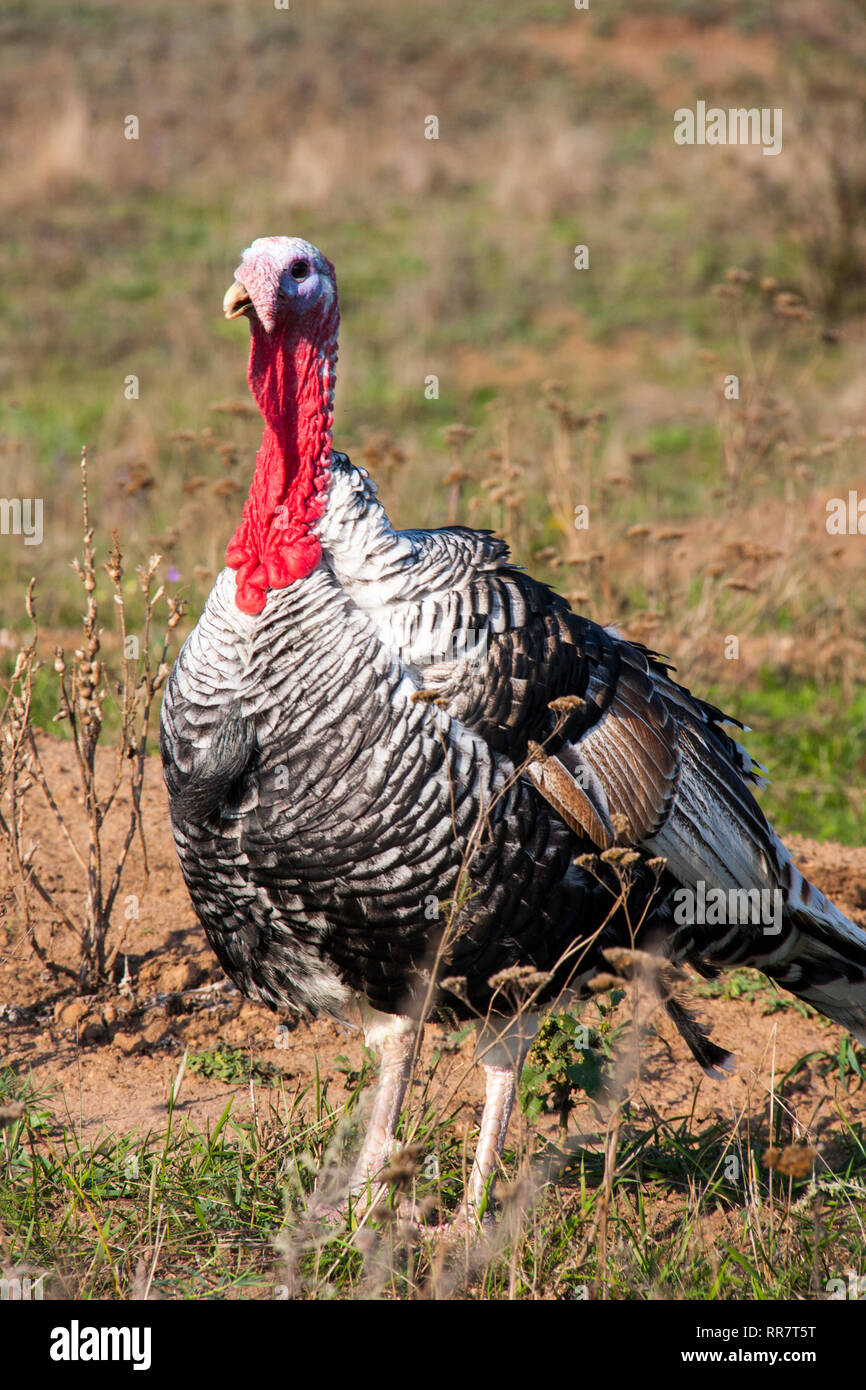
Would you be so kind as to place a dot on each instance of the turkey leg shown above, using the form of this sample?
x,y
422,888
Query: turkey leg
x,y
393,1037
499,1090
501,1048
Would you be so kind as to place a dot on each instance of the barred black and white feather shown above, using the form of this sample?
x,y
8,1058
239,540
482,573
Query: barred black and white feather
x,y
322,812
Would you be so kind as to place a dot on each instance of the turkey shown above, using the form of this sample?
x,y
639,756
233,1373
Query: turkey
x,y
406,781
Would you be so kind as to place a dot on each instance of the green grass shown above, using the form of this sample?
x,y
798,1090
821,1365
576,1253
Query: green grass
x,y
223,1212
812,740
754,987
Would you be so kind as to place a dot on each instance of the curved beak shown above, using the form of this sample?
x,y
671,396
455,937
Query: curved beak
x,y
236,301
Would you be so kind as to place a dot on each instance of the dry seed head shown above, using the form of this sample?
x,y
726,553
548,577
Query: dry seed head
x,y
567,704
10,1113
621,825
620,856
600,984
587,861
518,1192
524,976
457,434
380,1211
426,697
113,565
455,984
627,961
403,1168
794,1161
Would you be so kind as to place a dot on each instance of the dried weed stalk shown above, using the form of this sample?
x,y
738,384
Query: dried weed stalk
x,y
83,686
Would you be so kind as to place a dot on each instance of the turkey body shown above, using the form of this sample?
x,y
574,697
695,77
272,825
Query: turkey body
x,y
401,770
324,819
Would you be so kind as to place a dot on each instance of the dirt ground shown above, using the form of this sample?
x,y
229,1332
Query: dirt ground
x,y
107,1062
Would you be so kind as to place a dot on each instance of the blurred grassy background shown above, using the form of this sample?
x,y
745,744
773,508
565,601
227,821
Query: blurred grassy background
x,y
455,259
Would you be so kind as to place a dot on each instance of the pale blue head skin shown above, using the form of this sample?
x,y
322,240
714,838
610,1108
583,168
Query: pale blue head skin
x,y
284,279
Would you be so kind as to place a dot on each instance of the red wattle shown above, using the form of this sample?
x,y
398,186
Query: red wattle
x,y
292,380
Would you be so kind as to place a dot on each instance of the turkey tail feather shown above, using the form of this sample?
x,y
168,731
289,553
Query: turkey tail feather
x,y
716,1062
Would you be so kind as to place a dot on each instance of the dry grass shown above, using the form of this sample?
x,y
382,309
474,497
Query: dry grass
x,y
82,688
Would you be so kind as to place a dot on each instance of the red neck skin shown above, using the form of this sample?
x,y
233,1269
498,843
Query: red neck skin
x,y
292,379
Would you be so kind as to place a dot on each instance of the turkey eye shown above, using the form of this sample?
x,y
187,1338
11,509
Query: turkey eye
x,y
299,270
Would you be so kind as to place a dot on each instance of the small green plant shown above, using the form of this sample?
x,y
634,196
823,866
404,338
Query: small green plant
x,y
568,1058
232,1064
